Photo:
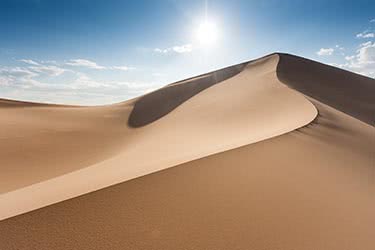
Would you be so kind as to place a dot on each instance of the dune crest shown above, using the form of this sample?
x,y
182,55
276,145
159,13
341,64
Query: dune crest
x,y
159,103
330,85
250,106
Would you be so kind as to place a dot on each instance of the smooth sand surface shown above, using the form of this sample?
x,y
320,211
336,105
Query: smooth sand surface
x,y
249,107
43,141
259,169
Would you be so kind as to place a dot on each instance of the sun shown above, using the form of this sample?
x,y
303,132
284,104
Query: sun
x,y
207,33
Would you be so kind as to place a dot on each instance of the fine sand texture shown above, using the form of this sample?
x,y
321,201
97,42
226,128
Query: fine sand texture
x,y
96,147
269,154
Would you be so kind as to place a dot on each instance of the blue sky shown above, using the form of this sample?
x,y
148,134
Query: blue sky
x,y
98,52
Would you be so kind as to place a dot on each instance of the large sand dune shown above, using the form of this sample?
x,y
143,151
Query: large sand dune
x,y
276,153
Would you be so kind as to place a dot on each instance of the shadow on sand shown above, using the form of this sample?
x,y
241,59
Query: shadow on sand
x,y
157,104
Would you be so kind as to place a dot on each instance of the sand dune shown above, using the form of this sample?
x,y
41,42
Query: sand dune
x,y
122,153
276,153
349,93
153,106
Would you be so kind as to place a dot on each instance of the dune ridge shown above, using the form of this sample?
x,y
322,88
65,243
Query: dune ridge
x,y
329,85
255,86
261,160
151,107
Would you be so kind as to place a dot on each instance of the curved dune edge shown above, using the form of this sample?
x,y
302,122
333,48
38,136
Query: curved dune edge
x,y
332,86
153,106
262,108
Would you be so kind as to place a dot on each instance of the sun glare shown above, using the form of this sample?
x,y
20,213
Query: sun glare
x,y
207,33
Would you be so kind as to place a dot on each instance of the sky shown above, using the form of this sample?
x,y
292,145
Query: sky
x,y
92,52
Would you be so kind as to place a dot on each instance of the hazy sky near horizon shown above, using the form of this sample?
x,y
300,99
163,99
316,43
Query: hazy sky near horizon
x,y
98,52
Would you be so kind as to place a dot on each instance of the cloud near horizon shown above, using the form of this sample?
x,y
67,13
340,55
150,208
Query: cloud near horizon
x,y
38,79
365,34
50,70
185,48
84,63
362,62
29,61
93,65
325,52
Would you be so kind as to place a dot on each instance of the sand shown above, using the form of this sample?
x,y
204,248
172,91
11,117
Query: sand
x,y
259,160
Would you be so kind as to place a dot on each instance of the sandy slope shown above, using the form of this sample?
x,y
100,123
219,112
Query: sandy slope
x,y
249,107
40,142
289,186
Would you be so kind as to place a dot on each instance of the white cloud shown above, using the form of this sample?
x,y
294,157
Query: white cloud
x,y
29,61
363,62
50,70
325,52
26,77
29,82
349,58
17,77
123,68
93,65
84,81
4,81
22,82
17,72
339,47
84,63
49,62
366,53
185,48
164,51
365,34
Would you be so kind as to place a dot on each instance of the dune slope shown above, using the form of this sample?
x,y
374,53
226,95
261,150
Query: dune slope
x,y
259,168
345,91
246,108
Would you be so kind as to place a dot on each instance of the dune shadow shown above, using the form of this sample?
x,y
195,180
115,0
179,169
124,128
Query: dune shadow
x,y
345,91
157,104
